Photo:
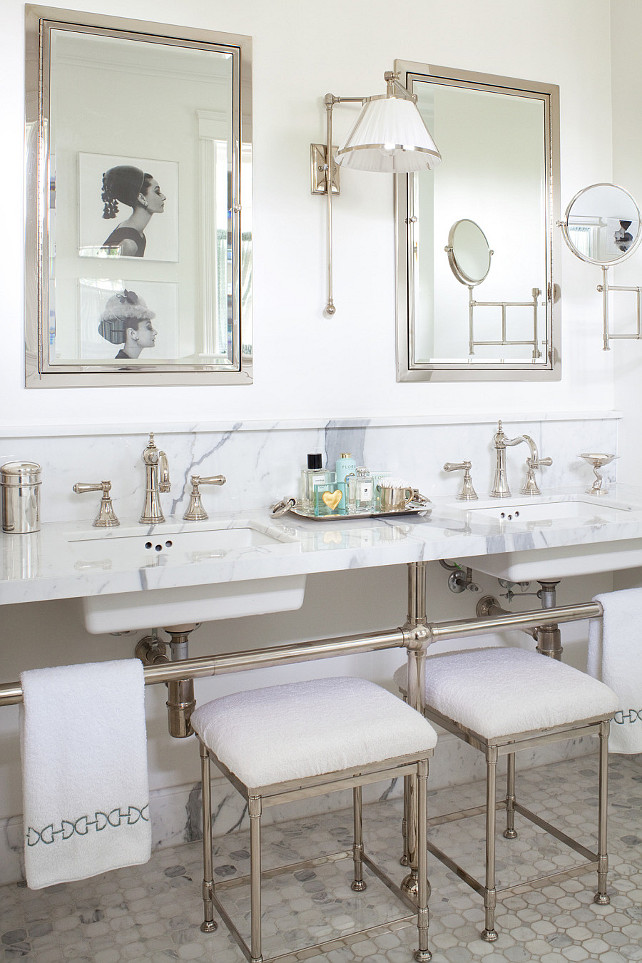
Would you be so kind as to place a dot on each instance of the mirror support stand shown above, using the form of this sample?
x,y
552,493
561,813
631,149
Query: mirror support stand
x,y
604,288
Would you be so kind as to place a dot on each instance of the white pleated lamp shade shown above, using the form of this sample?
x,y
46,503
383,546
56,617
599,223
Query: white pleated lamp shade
x,y
389,136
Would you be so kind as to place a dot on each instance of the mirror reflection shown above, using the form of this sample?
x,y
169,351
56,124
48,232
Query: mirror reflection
x,y
468,252
495,190
602,224
142,263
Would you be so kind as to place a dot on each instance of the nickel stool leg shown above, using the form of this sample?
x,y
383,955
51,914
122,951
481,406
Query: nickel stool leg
x,y
602,897
358,883
510,831
255,809
208,925
490,893
405,859
422,954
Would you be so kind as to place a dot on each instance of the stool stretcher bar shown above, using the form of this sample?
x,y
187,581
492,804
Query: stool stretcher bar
x,y
210,665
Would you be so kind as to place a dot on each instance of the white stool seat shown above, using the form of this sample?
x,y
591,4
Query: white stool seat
x,y
500,691
303,729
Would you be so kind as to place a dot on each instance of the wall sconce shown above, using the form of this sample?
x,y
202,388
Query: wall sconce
x,y
389,136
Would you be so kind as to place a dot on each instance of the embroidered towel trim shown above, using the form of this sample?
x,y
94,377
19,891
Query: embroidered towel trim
x,y
84,771
614,657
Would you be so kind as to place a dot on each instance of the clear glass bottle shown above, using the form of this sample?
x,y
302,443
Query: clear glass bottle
x,y
313,475
360,491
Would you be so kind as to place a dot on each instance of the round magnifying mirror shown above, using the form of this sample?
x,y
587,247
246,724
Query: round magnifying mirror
x,y
602,224
468,252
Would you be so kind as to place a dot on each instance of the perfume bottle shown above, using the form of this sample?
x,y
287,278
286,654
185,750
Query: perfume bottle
x,y
346,465
313,475
360,491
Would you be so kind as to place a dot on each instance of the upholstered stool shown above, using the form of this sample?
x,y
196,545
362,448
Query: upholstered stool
x,y
503,700
304,739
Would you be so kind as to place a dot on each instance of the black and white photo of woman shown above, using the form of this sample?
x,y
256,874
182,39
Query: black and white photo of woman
x,y
128,207
133,187
126,320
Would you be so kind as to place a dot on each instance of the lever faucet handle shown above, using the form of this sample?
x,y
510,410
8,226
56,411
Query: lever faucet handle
x,y
195,511
467,493
106,517
530,486
164,484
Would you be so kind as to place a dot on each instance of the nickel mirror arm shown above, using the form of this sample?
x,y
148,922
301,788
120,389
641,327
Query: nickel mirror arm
x,y
195,511
106,517
467,493
604,289
504,340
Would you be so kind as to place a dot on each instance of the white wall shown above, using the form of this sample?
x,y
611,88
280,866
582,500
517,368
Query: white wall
x,y
626,27
300,52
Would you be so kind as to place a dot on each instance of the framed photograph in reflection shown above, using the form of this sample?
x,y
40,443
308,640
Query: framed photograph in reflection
x,y
129,322
138,184
128,207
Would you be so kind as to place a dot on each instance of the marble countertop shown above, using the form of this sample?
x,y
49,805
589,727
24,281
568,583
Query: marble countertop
x,y
66,560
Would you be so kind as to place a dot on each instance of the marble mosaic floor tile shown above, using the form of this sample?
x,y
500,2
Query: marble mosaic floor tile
x,y
153,912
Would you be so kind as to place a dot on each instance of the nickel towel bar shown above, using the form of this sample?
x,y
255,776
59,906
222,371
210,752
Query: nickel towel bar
x,y
11,692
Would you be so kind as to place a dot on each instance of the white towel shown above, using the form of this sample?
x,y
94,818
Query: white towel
x,y
615,657
84,771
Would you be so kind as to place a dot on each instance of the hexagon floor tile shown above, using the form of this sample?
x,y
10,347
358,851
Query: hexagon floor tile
x,y
153,912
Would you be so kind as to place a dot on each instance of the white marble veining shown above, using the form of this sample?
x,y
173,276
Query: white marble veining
x,y
57,562
262,460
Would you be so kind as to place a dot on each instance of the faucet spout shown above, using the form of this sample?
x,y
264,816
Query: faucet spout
x,y
501,487
156,465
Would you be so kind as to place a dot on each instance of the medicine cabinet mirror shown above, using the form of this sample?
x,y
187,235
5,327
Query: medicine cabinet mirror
x,y
139,237
485,218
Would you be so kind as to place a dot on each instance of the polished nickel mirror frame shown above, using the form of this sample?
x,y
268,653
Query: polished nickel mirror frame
x,y
411,74
235,366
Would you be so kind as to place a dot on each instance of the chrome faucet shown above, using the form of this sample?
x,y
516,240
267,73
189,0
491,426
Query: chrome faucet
x,y
501,488
156,481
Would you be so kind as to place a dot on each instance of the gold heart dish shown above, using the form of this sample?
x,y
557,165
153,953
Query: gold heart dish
x,y
332,499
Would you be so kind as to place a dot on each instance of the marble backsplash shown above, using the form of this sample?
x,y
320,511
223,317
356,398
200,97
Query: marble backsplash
x,y
262,461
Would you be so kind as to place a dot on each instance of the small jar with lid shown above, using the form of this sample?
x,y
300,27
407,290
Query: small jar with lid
x,y
360,491
20,482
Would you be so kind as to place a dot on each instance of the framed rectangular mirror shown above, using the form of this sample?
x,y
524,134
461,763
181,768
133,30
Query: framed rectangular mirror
x,y
477,243
139,205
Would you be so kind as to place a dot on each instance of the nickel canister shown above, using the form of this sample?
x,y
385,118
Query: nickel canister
x,y
20,482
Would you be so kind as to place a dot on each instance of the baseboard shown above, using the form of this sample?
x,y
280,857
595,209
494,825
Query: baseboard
x,y
176,811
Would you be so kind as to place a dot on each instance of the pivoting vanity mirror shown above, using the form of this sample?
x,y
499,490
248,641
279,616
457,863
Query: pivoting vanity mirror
x,y
469,256
602,226
468,252
492,204
138,233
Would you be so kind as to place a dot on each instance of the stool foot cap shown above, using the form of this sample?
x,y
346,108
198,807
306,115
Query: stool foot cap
x,y
510,834
423,956
602,899
208,926
489,935
358,885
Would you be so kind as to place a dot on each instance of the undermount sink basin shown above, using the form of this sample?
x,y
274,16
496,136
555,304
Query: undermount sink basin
x,y
525,524
175,605
540,515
